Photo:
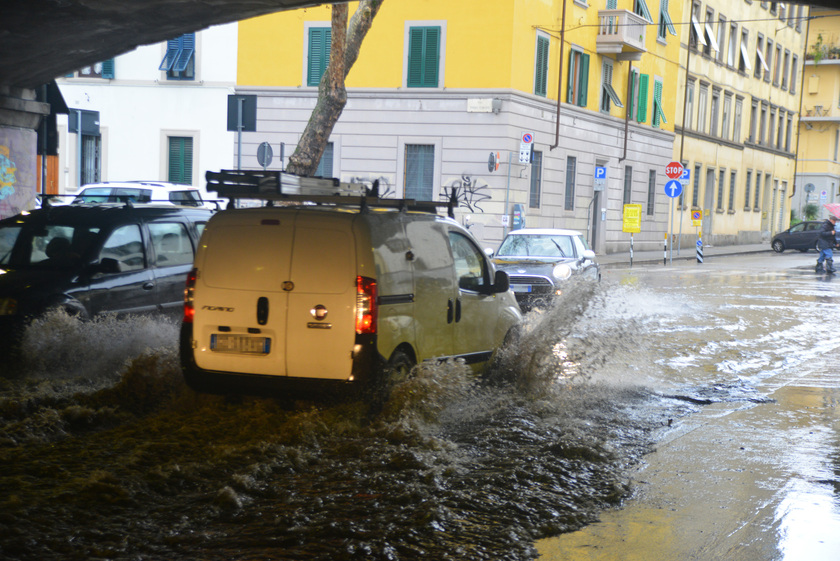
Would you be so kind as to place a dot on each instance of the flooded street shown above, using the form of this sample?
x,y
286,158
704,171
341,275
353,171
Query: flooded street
x,y
670,413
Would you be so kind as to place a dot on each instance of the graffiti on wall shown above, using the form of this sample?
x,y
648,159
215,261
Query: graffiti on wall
x,y
386,183
18,157
7,173
471,191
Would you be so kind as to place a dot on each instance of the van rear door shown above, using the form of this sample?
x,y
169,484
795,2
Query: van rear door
x,y
321,329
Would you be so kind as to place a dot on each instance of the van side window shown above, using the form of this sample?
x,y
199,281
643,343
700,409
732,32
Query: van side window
x,y
172,244
125,245
470,266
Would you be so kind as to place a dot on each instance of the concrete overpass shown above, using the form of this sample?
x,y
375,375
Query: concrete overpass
x,y
42,39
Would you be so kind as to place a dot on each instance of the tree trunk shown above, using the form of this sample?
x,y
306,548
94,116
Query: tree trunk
x,y
332,95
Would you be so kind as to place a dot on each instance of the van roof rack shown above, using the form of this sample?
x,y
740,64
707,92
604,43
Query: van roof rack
x,y
287,187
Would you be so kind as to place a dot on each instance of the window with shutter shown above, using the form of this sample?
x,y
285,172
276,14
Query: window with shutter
x,y
180,159
536,179
179,60
578,78
423,57
658,116
571,170
541,67
641,113
320,42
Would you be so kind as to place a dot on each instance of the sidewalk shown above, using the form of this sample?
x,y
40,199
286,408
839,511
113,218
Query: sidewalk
x,y
622,259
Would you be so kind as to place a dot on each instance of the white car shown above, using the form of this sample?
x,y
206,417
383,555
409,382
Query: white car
x,y
141,192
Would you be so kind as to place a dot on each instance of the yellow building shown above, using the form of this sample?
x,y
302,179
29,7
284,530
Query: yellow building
x,y
737,133
447,94
818,174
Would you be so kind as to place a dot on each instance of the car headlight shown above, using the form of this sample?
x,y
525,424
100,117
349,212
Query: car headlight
x,y
8,306
562,271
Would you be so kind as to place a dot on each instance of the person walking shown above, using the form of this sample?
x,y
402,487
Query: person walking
x,y
825,242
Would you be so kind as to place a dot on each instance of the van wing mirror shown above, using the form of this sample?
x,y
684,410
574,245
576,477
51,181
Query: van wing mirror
x,y
108,266
502,282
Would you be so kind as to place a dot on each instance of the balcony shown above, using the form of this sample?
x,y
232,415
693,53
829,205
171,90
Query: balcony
x,y
622,33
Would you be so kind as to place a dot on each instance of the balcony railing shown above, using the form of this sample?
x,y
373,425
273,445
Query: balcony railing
x,y
621,31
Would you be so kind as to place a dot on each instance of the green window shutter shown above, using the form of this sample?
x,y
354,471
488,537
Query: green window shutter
x,y
571,78
320,42
423,57
643,92
612,4
180,159
541,70
108,69
658,116
584,79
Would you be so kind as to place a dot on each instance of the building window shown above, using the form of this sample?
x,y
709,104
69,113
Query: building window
x,y
681,199
325,166
571,165
777,65
789,132
794,69
608,95
714,115
658,114
760,63
720,186
628,184
753,120
732,176
318,52
747,185
736,120
179,60
702,102
651,195
689,107
771,129
762,125
91,159
695,35
541,66
695,195
727,113
104,70
721,38
423,57
785,68
180,159
744,64
641,9
536,179
641,98
665,23
578,77
757,191
780,132
711,42
768,59
419,171
733,45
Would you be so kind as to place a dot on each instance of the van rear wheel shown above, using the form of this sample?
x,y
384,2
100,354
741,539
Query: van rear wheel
x,y
399,369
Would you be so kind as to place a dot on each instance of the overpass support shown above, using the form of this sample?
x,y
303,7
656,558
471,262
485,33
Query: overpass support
x,y
20,116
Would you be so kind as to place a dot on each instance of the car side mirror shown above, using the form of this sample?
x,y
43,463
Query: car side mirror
x,y
502,282
488,251
588,254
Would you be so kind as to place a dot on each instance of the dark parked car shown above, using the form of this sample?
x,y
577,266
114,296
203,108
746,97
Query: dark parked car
x,y
93,259
802,236
538,261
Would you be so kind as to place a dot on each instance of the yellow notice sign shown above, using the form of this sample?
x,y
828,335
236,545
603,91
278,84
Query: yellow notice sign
x,y
632,223
696,218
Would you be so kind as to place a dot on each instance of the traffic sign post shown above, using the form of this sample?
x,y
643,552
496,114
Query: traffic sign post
x,y
632,223
525,148
673,189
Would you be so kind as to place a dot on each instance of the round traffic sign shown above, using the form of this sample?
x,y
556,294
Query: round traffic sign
x,y
527,138
673,188
674,170
264,154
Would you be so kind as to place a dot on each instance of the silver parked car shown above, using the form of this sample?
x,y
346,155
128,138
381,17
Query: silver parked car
x,y
538,261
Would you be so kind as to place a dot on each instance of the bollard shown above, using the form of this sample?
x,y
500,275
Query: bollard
x,y
665,250
699,249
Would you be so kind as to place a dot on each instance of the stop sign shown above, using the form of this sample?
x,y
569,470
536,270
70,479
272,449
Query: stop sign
x,y
674,170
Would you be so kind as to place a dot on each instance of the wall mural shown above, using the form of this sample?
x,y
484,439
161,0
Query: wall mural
x,y
18,159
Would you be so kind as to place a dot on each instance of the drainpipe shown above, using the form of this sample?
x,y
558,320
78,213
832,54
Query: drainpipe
x,y
627,110
560,78
798,124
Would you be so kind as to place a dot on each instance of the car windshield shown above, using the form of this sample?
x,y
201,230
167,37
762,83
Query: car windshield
x,y
537,245
51,246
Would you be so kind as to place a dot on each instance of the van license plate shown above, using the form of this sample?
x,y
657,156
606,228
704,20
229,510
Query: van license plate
x,y
521,287
224,343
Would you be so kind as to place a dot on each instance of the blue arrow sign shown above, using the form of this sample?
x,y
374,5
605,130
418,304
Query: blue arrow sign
x,y
673,188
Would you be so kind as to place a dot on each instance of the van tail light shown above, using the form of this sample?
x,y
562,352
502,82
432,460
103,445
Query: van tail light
x,y
366,307
189,293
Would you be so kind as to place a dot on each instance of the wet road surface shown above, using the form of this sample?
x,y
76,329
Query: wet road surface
x,y
106,454
755,477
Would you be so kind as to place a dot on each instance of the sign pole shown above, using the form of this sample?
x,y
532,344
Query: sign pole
x,y
665,250
631,249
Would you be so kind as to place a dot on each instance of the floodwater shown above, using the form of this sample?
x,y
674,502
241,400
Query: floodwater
x,y
582,431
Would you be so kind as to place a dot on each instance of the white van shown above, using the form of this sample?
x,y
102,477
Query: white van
x,y
345,291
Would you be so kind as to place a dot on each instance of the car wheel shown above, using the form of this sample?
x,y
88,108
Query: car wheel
x,y
398,369
778,246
